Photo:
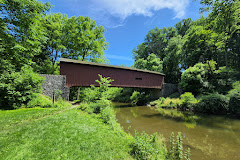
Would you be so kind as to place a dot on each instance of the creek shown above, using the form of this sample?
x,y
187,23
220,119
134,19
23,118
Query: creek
x,y
209,137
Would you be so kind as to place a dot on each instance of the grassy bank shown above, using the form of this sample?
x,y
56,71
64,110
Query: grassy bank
x,y
53,133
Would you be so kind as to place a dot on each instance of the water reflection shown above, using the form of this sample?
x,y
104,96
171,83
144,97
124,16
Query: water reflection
x,y
209,137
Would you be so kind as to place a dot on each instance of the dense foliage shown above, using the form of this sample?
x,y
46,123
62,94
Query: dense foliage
x,y
145,147
234,95
29,34
215,37
205,77
202,56
18,88
213,103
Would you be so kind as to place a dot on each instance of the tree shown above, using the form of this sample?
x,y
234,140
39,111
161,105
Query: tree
x,y
183,26
224,20
84,39
21,35
199,46
18,88
152,63
197,79
172,61
53,26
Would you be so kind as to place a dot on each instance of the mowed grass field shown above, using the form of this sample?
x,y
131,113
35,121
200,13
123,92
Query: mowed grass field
x,y
59,133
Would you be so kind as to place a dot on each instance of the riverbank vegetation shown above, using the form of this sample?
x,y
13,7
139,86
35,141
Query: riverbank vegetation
x,y
211,103
201,56
142,145
67,132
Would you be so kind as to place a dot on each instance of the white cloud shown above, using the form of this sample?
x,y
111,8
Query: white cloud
x,y
112,13
125,8
111,56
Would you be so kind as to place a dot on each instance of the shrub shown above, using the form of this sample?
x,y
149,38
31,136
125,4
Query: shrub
x,y
213,103
225,78
43,101
124,95
108,115
174,95
140,97
94,94
234,102
207,78
147,147
18,88
135,97
188,100
98,106
169,102
194,79
40,100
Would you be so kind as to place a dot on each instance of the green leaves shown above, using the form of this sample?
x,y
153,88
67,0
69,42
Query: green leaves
x,y
152,63
28,35
83,39
17,88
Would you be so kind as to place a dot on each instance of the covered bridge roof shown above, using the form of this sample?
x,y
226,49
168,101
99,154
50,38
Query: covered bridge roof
x,y
82,73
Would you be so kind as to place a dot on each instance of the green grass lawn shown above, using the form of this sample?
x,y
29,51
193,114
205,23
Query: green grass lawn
x,y
39,133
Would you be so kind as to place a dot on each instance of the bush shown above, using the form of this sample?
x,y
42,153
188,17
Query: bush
x,y
94,94
206,78
108,115
43,101
18,88
234,102
124,95
174,95
135,97
213,103
40,100
147,147
169,102
96,107
140,97
225,78
188,101
194,79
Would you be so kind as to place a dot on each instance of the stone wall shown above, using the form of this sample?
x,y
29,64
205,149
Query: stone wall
x,y
53,83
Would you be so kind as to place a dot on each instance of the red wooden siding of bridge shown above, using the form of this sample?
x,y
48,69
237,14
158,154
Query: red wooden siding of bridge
x,y
79,73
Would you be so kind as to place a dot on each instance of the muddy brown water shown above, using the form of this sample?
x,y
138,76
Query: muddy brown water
x,y
209,138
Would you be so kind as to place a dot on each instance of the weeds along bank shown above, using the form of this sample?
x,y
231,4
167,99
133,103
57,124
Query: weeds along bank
x,y
141,145
211,103
36,128
208,90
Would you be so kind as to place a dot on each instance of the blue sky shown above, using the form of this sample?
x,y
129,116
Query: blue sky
x,y
128,21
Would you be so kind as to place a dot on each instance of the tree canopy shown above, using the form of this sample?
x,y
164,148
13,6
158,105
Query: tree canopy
x,y
215,37
30,34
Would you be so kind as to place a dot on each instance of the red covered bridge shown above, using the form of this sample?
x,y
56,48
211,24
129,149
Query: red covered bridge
x,y
83,74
